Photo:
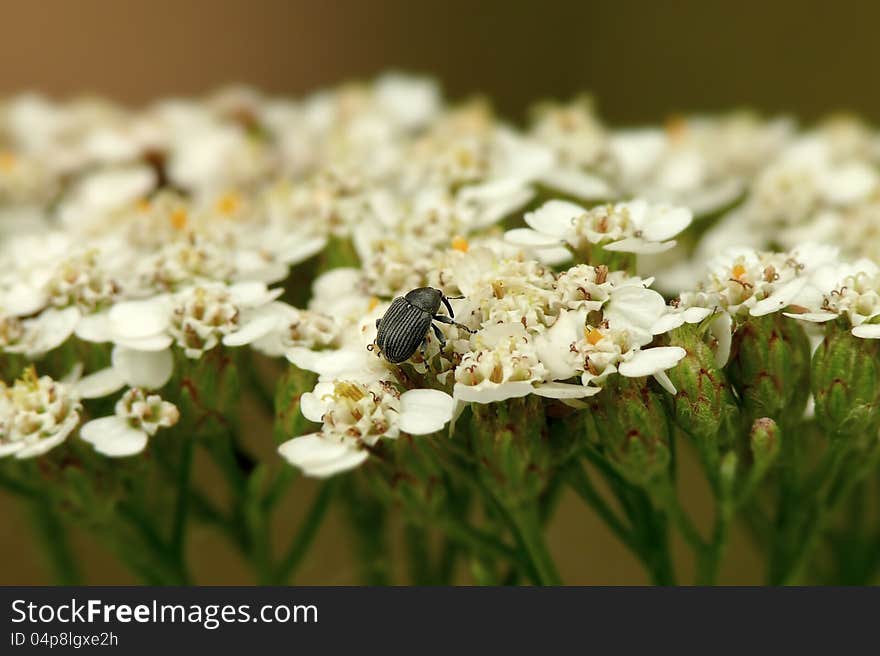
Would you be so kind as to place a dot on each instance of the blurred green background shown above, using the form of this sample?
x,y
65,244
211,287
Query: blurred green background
x,y
641,60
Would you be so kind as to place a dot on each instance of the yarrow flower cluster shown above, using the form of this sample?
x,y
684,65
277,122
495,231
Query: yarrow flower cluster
x,y
595,291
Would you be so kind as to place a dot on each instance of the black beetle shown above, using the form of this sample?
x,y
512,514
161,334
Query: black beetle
x,y
404,326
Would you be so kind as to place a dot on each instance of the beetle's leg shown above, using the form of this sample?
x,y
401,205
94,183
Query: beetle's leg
x,y
423,349
378,321
444,319
440,336
448,305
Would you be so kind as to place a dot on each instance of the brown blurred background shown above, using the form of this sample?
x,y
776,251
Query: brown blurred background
x,y
642,60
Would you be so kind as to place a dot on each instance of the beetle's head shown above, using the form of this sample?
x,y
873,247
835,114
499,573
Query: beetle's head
x,y
425,298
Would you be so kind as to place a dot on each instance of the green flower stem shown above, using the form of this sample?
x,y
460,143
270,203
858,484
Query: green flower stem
x,y
305,536
834,483
368,520
665,496
419,555
479,542
181,509
449,554
709,561
579,481
263,393
526,526
17,488
54,542
708,554
649,528
258,526
161,566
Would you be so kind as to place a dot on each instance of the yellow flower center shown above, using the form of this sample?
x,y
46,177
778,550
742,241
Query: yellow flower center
x,y
593,336
7,161
179,219
228,203
348,390
459,243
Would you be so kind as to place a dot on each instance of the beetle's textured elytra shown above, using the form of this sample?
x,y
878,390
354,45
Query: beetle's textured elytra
x,y
402,329
405,324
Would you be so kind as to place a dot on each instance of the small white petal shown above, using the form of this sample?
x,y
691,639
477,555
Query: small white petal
x,y
40,447
320,457
529,237
779,299
638,246
813,317
149,369
552,256
491,392
577,183
94,328
43,445
554,217
344,463
867,331
54,327
650,361
254,329
696,314
666,222
424,411
663,378
137,319
302,250
21,300
668,322
11,447
153,343
99,384
565,390
333,282
252,294
113,437
312,404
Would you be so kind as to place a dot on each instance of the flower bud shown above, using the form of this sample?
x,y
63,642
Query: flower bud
x,y
770,367
513,454
764,442
629,421
846,383
408,471
704,406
